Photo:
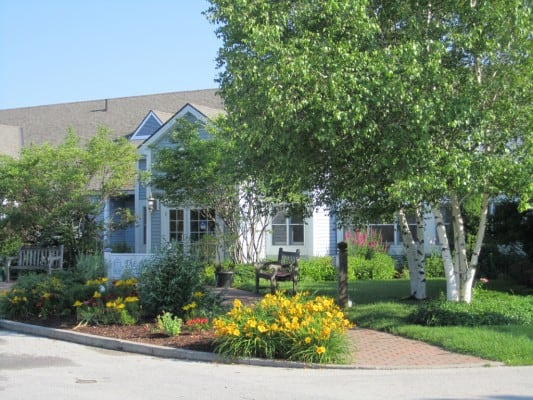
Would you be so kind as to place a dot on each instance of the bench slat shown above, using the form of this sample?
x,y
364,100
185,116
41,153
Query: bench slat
x,y
36,258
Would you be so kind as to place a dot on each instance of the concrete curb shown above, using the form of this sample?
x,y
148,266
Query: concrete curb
x,y
153,350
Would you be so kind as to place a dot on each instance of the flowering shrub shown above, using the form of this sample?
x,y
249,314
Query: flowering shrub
x,y
38,295
365,243
109,303
481,284
297,328
367,256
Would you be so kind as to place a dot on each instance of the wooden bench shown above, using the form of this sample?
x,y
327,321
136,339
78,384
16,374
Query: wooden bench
x,y
33,258
284,269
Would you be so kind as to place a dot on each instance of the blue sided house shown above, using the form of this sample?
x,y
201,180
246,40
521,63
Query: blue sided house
x,y
147,121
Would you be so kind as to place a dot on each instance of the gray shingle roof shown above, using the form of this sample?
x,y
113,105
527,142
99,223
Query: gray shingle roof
x,y
11,140
49,123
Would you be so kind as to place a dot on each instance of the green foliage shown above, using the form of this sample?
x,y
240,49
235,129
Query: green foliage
x,y
204,304
169,281
169,324
379,305
10,245
208,276
54,193
39,295
487,308
380,266
317,269
243,273
298,328
90,266
336,120
365,243
509,248
315,88
121,247
201,158
109,303
434,266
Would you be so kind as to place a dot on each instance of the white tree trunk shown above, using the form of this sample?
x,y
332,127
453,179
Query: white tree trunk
x,y
416,263
420,254
476,251
466,271
452,279
460,274
471,272
461,261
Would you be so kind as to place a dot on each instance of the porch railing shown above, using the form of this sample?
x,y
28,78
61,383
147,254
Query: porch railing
x,y
125,264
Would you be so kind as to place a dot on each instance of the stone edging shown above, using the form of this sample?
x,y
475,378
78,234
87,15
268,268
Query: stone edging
x,y
151,350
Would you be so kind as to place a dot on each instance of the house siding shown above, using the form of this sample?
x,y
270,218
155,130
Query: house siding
x,y
156,230
333,233
125,235
321,233
142,188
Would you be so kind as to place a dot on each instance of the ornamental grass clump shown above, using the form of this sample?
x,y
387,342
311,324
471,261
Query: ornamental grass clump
x,y
299,329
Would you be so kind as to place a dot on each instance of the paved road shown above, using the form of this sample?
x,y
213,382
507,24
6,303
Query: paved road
x,y
38,368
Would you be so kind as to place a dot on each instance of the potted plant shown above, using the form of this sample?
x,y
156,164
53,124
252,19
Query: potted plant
x,y
224,274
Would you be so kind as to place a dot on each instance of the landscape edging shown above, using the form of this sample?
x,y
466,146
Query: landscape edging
x,y
150,349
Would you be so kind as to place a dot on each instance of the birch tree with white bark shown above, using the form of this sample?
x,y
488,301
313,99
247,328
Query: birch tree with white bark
x,y
377,106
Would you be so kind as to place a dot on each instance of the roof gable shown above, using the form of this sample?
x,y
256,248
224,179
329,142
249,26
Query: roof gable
x,y
150,124
187,110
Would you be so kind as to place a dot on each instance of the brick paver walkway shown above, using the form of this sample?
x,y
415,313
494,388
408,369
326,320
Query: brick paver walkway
x,y
375,349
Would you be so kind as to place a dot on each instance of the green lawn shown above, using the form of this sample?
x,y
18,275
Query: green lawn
x,y
384,305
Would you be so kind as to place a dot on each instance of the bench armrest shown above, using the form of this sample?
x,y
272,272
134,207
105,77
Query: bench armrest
x,y
9,260
55,258
273,267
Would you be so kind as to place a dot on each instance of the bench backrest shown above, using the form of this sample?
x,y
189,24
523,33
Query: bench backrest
x,y
33,256
288,258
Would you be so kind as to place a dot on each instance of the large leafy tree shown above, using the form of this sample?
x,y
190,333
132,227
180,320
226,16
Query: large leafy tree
x,y
55,194
199,170
377,106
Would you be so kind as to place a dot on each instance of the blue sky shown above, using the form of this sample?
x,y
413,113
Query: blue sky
x,y
59,51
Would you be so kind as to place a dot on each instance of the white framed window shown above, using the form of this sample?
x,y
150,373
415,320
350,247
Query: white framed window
x,y
202,222
190,224
176,221
287,230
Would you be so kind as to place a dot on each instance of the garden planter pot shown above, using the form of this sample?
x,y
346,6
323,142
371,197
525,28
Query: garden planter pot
x,y
224,279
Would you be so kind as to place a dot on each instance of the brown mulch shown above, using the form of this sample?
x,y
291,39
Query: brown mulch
x,y
145,332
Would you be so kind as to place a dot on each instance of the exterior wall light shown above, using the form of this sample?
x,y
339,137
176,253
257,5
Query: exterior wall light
x,y
152,204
